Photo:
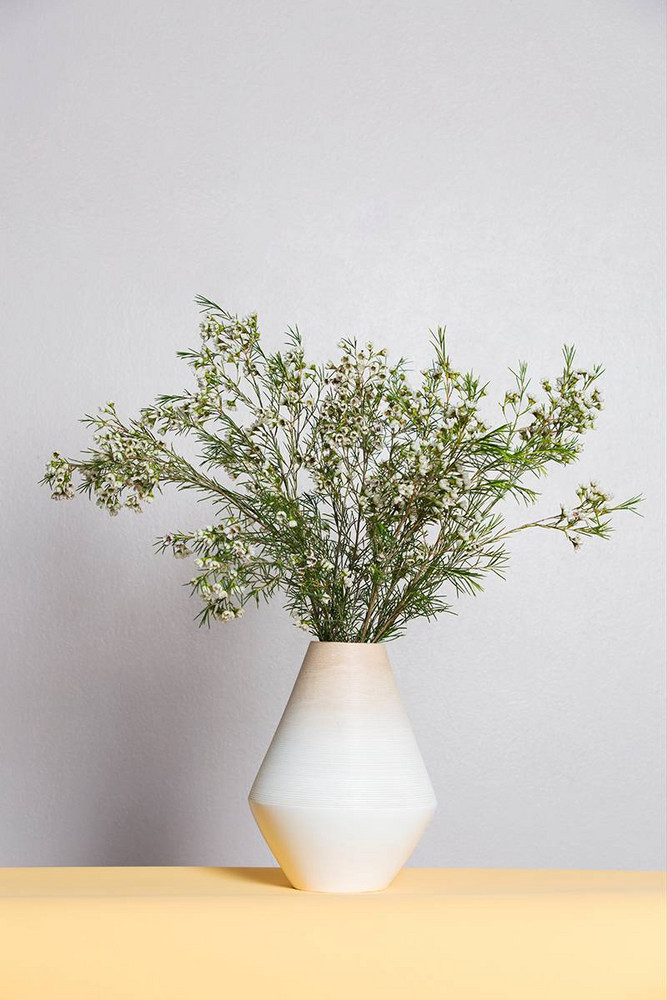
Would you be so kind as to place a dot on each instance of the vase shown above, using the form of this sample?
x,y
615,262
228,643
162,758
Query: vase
x,y
343,796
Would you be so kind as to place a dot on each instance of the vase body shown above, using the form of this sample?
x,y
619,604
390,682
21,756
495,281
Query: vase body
x,y
343,796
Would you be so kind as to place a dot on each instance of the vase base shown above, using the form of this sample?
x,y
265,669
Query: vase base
x,y
341,850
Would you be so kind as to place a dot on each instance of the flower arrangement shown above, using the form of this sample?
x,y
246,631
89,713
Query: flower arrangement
x,y
362,498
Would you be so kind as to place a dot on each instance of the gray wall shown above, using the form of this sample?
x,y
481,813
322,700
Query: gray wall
x,y
355,167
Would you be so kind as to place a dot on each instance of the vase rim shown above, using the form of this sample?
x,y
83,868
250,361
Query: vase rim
x,y
363,645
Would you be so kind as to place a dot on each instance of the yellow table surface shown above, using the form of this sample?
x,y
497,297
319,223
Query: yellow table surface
x,y
200,933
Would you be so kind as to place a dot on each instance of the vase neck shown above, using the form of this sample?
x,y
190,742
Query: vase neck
x,y
341,676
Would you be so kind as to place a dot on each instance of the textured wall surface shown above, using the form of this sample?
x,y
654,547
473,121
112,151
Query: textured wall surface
x,y
354,167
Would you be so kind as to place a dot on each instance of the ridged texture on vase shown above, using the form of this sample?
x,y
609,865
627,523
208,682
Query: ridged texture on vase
x,y
343,796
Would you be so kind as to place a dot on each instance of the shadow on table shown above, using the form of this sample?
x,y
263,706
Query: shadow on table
x,y
260,876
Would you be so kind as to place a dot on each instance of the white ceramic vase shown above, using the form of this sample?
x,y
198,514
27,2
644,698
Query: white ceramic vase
x,y
343,795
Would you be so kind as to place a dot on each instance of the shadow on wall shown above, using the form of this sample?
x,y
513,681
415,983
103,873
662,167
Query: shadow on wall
x,y
136,735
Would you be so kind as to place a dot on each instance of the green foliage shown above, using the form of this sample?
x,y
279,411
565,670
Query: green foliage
x,y
364,500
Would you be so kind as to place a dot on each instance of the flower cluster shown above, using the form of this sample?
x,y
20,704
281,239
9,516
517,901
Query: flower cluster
x,y
570,408
228,340
126,467
58,477
362,497
588,517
